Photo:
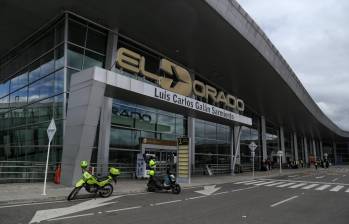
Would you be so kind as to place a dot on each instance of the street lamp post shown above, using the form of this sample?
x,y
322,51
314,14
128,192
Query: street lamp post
x,y
280,156
252,147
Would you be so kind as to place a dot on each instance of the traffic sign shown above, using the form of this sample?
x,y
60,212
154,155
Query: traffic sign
x,y
51,130
252,146
279,153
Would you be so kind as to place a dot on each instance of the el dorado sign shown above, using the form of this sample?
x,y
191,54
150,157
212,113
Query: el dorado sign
x,y
177,79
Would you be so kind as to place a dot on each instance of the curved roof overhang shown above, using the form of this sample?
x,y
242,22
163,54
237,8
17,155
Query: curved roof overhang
x,y
215,38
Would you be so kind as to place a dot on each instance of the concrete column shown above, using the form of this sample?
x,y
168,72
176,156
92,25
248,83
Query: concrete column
x,y
106,111
236,142
264,138
111,50
295,146
191,135
83,113
314,149
321,150
104,136
282,144
335,153
305,145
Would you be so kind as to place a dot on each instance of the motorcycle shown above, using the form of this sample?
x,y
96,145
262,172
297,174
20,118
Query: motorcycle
x,y
96,185
168,182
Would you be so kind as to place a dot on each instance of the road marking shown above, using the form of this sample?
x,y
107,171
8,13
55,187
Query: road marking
x,y
34,203
323,187
70,217
241,189
224,192
255,182
298,185
42,215
336,188
123,209
192,198
264,183
335,179
347,191
294,175
310,186
283,201
309,182
246,181
167,202
277,183
319,177
285,185
208,190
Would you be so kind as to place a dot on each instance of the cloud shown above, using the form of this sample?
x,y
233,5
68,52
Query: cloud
x,y
313,37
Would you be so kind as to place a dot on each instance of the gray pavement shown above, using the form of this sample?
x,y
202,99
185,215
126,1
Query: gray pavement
x,y
294,197
31,192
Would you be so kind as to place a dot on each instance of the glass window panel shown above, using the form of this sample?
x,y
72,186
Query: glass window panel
x,y
4,104
75,56
4,89
143,120
96,41
18,117
181,126
92,59
59,57
223,148
59,82
40,111
34,71
124,138
60,32
210,131
58,106
41,89
165,124
76,33
223,132
70,72
19,81
47,42
5,121
199,129
47,64
19,98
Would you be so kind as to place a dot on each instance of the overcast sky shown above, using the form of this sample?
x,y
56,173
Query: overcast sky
x,y
313,37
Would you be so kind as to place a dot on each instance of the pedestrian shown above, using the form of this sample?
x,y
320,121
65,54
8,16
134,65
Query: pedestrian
x,y
316,165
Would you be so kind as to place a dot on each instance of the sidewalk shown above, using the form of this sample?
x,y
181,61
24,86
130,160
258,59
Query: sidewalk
x,y
31,192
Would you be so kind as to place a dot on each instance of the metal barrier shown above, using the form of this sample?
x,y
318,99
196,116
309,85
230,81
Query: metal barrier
x,y
127,170
25,171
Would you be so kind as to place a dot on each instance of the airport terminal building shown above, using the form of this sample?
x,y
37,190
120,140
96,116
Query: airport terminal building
x,y
197,81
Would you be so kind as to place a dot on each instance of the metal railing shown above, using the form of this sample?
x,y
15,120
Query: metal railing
x,y
25,171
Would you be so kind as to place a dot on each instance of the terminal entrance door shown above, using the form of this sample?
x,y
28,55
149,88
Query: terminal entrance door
x,y
164,151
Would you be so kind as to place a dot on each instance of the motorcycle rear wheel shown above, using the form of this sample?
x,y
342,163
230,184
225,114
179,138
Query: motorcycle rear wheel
x,y
106,191
73,194
176,189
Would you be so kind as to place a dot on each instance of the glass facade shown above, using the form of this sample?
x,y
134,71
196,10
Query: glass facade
x,y
34,93
212,147
132,122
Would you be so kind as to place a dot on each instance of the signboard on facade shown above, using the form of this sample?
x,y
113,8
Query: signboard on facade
x,y
183,159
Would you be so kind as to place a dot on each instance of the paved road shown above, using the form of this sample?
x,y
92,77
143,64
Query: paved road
x,y
310,197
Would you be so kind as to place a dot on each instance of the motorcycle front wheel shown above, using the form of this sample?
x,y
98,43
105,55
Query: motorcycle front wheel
x,y
106,191
73,194
176,189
